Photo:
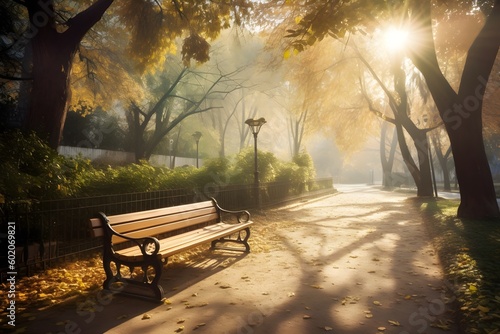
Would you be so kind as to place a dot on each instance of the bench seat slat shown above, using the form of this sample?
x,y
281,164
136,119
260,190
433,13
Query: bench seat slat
x,y
175,244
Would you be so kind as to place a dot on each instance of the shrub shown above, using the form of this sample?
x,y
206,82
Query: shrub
x,y
244,166
33,170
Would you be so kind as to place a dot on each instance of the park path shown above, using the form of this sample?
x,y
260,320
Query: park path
x,y
355,262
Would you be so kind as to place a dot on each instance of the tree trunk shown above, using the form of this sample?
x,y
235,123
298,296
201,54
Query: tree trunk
x,y
53,54
422,147
443,161
387,161
461,112
50,92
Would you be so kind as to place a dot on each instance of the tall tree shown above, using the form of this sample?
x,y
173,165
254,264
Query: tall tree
x,y
182,96
58,28
53,52
461,111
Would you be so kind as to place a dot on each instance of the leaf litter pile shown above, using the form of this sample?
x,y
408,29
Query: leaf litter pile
x,y
470,254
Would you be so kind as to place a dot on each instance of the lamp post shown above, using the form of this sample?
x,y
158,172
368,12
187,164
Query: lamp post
x,y
255,125
170,148
197,136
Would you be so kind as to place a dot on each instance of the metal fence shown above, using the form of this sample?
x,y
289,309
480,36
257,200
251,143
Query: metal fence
x,y
58,230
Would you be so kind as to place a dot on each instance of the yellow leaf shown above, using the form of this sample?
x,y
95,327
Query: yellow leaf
x,y
287,54
394,323
146,316
376,302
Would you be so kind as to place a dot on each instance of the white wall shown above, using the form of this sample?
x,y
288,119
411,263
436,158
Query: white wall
x,y
120,157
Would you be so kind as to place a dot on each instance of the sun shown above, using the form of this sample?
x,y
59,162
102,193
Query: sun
x,y
396,39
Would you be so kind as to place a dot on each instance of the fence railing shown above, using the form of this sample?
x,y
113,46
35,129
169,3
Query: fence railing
x,y
57,230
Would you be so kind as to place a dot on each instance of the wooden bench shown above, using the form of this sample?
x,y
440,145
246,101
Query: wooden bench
x,y
148,238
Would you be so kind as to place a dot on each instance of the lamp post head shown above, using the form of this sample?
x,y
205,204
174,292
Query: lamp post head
x,y
197,136
255,124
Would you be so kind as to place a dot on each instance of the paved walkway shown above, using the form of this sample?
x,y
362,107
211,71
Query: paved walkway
x,y
355,262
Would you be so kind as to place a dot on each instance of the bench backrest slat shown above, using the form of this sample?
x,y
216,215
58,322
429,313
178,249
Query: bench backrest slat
x,y
133,224
171,226
126,217
158,221
96,228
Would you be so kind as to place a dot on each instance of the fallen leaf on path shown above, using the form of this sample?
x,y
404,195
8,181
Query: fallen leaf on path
x,y
394,323
146,316
376,302
441,325
199,325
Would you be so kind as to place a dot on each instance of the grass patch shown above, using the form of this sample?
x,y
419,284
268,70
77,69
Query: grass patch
x,y
470,254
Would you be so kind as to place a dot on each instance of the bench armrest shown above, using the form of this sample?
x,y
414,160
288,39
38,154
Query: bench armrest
x,y
149,246
242,216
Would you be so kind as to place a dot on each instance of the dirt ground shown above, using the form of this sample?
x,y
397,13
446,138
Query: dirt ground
x,y
357,262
